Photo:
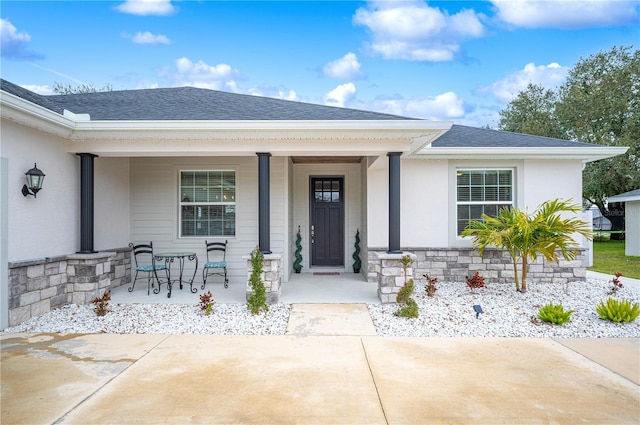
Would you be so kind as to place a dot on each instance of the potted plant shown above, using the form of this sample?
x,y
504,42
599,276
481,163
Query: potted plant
x,y
356,254
297,265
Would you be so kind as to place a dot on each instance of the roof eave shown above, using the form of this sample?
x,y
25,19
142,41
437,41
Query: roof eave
x,y
29,114
585,154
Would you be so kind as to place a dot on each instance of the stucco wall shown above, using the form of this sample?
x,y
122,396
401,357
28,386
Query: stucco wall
x,y
632,226
428,196
46,226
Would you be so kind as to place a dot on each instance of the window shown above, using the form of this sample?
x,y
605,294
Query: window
x,y
207,203
482,192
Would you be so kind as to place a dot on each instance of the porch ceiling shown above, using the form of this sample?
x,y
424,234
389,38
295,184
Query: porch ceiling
x,y
326,159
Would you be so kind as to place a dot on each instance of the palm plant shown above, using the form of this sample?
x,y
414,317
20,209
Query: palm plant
x,y
525,236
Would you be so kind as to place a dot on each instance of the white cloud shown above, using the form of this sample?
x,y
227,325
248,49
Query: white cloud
x,y
44,90
549,76
201,74
567,14
443,107
149,38
147,7
416,31
341,95
346,68
274,92
14,44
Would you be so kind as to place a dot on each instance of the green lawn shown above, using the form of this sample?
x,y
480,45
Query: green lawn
x,y
608,257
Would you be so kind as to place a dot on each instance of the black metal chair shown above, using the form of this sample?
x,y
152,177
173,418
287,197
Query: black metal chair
x,y
146,263
216,262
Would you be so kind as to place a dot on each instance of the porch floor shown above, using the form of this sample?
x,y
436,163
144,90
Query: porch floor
x,y
345,288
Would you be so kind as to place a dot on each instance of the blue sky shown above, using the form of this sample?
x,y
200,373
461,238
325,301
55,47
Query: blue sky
x,y
442,60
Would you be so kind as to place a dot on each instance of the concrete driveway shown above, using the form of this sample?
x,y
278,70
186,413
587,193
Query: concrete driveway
x,y
325,379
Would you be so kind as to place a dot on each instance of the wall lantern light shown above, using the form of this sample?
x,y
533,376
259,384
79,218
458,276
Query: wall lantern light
x,y
35,178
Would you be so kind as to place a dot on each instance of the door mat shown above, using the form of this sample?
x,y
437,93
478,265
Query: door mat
x,y
326,273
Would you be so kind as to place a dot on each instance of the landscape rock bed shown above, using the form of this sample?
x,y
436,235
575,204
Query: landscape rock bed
x,y
449,313
507,313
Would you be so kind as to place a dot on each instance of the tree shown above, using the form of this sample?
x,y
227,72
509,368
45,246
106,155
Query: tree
x,y
598,103
532,111
525,236
82,88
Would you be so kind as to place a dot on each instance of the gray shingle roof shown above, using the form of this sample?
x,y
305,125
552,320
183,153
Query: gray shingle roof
x,y
460,136
189,103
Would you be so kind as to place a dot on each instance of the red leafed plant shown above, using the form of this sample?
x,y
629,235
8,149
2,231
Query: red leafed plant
x,y
475,282
616,285
206,303
430,288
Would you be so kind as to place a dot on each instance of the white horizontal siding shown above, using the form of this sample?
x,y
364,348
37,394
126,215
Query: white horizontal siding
x,y
155,206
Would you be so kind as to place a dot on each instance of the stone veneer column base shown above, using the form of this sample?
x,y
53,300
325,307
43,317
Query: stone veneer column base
x,y
88,276
391,276
271,276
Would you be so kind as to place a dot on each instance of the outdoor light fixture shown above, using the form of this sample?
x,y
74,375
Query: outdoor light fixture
x,y
34,181
478,310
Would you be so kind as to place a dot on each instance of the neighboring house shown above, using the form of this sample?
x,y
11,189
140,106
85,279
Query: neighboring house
x,y
600,222
178,166
632,220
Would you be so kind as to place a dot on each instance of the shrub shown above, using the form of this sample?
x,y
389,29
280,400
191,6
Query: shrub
x,y
207,303
475,282
257,301
431,285
554,313
409,310
616,285
102,303
618,311
407,305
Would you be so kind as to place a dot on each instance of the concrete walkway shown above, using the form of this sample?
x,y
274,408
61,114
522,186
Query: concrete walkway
x,y
328,369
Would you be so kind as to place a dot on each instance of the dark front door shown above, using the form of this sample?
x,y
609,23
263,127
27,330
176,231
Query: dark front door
x,y
327,221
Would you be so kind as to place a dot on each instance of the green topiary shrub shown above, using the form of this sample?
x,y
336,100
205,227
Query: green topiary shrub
x,y
407,305
257,301
618,311
297,264
554,313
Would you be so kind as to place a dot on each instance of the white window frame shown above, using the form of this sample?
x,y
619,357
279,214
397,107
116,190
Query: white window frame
x,y
512,202
198,204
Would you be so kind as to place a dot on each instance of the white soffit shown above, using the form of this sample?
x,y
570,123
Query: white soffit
x,y
586,154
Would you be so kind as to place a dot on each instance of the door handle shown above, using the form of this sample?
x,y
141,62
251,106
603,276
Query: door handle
x,y
312,233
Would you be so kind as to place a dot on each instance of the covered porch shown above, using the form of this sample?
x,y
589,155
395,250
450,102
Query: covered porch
x,y
307,288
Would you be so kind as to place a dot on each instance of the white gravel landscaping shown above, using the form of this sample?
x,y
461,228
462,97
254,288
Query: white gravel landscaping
x,y
507,313
450,313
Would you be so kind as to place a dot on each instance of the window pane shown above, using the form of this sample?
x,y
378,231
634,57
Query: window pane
x,y
476,194
464,194
335,196
491,193
198,191
491,178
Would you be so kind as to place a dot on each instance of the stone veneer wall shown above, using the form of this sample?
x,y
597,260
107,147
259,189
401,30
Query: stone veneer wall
x,y
454,264
271,277
39,286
